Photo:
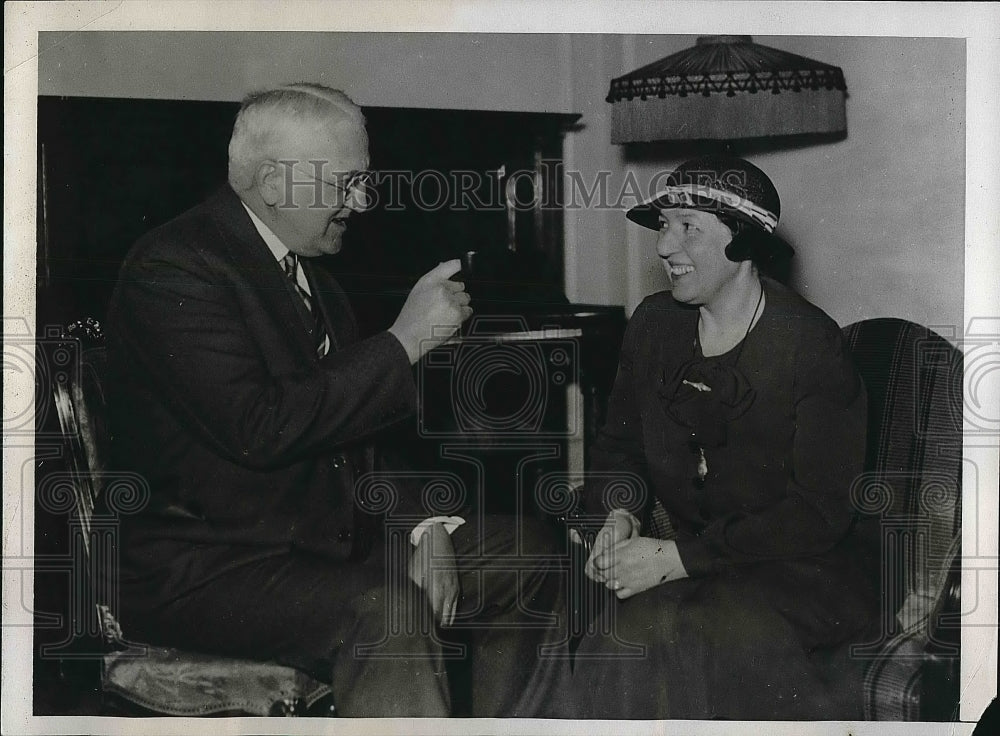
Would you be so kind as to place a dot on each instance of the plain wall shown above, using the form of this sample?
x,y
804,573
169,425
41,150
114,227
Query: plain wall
x,y
454,71
877,219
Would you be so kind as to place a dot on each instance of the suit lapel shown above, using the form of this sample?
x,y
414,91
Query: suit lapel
x,y
249,254
330,299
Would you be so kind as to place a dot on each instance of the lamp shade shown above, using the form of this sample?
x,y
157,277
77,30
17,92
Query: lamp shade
x,y
727,87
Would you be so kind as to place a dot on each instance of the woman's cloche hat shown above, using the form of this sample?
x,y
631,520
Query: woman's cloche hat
x,y
726,186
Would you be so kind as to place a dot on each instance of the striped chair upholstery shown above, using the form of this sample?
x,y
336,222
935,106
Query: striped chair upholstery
x,y
909,502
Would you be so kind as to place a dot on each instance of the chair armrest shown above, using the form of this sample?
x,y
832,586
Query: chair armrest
x,y
915,676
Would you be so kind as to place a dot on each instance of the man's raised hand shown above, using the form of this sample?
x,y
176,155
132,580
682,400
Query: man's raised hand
x,y
434,310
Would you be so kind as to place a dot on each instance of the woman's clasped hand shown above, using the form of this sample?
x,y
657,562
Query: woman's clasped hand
x,y
628,563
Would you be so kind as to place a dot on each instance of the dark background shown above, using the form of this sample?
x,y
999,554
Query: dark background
x,y
112,169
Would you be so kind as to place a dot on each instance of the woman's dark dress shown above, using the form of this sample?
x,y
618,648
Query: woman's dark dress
x,y
773,572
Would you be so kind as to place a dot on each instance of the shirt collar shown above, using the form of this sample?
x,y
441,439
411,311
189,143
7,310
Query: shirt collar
x,y
273,242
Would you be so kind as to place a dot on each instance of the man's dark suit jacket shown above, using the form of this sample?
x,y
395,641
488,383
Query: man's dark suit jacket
x,y
246,437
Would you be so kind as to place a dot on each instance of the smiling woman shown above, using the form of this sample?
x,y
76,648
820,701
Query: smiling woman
x,y
740,410
692,248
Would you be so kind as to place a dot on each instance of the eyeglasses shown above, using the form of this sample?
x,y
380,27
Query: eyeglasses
x,y
356,182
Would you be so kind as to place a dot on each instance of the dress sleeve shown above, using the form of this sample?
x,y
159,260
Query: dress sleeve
x,y
618,475
830,411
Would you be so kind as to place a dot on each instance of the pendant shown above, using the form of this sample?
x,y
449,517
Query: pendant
x,y
702,464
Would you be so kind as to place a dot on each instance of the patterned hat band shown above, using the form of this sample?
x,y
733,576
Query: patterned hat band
x,y
700,195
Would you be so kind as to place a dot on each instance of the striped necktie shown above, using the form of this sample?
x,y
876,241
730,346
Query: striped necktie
x,y
291,265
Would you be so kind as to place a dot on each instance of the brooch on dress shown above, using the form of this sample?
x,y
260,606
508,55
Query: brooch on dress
x,y
697,384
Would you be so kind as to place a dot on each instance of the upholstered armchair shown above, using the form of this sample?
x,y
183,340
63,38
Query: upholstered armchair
x,y
137,678
912,489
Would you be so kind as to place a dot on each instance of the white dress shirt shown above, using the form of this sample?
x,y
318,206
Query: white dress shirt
x,y
279,251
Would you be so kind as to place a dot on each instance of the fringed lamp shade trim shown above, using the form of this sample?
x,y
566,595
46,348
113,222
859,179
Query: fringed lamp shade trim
x,y
724,88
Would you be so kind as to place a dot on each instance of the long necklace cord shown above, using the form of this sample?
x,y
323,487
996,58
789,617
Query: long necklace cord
x,y
760,299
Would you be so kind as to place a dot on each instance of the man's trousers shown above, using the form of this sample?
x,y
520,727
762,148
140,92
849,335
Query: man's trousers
x,y
364,627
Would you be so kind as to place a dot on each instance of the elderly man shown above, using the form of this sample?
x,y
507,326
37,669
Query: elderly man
x,y
244,396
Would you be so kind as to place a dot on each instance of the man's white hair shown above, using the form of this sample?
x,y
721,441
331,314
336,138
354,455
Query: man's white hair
x,y
267,119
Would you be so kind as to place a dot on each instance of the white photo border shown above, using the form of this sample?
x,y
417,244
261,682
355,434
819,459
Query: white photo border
x,y
977,23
